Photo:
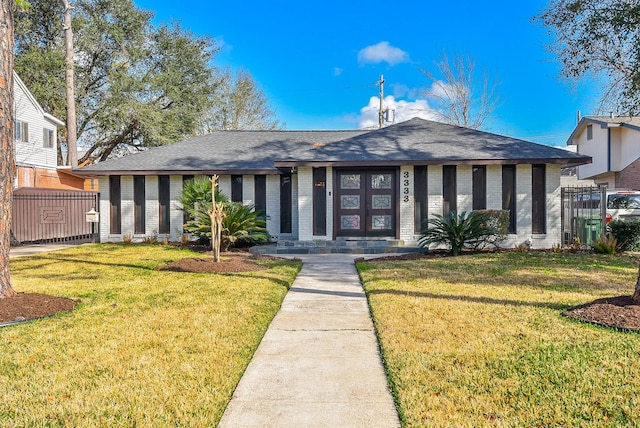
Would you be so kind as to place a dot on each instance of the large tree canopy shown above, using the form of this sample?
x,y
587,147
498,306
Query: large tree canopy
x,y
600,38
137,85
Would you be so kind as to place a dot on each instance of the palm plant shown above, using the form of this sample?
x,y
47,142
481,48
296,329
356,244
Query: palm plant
x,y
457,231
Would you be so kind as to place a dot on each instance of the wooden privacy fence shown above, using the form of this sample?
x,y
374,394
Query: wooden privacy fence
x,y
48,216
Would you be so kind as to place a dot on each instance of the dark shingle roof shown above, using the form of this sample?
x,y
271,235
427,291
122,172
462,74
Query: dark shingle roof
x,y
416,141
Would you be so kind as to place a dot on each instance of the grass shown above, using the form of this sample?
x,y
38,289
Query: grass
x,y
144,348
479,340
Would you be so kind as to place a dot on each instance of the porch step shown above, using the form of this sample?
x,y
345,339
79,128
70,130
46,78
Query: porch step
x,y
340,246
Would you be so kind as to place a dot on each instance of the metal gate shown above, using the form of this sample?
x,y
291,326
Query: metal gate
x,y
48,216
583,214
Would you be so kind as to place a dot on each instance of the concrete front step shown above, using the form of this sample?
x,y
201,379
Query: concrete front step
x,y
337,247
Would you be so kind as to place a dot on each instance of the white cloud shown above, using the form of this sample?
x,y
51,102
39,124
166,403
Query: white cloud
x,y
404,110
382,52
337,71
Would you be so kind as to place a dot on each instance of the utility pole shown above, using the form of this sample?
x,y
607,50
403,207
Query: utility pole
x,y
72,147
381,112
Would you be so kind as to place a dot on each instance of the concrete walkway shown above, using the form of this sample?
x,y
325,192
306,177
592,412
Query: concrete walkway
x,y
29,250
318,364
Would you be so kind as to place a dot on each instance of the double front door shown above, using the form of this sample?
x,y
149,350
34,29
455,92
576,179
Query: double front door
x,y
366,202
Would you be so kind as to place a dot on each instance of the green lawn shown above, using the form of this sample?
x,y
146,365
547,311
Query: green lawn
x,y
479,340
144,348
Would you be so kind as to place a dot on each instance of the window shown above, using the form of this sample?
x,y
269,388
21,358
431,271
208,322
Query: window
x,y
260,186
449,191
285,203
509,194
319,201
139,204
164,195
236,188
21,131
589,132
479,188
538,199
47,138
114,205
420,198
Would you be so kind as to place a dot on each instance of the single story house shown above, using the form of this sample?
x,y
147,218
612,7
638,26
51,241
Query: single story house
x,y
328,185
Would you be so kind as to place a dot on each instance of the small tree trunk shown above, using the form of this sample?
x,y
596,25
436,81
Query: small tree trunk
x,y
216,215
7,162
636,294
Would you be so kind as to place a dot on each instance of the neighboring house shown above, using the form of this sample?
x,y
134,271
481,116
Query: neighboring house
x,y
36,145
327,185
614,145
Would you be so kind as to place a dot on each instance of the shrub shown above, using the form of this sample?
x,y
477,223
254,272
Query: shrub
x,y
627,233
457,231
498,220
196,196
607,244
241,225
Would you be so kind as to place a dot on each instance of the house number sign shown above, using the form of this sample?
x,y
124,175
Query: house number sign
x,y
405,186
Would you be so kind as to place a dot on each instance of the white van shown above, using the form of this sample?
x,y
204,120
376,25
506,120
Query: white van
x,y
623,205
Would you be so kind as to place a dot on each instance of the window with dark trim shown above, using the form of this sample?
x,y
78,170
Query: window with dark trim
x,y
509,194
420,197
48,139
589,132
164,200
285,203
539,199
21,131
449,190
260,185
138,204
236,188
115,205
479,187
319,201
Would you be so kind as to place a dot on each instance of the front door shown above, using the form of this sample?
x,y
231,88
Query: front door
x,y
365,202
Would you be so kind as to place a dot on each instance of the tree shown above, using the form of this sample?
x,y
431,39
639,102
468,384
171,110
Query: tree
x,y
6,142
72,149
600,39
455,94
136,85
216,214
239,104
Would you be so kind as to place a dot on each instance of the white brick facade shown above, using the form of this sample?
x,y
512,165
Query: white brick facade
x,y
302,203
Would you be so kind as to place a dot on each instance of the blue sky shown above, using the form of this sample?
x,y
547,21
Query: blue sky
x,y
318,62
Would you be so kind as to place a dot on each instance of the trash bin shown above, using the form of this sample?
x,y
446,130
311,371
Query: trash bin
x,y
588,229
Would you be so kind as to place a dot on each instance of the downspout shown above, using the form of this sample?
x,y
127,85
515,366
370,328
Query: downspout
x,y
608,149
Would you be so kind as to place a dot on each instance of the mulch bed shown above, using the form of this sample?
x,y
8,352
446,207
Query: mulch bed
x,y
617,312
230,262
28,306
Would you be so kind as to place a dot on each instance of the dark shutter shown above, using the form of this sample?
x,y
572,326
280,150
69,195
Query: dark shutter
x,y
164,200
539,197
319,201
115,204
449,188
420,197
236,188
509,194
139,203
285,203
260,184
479,187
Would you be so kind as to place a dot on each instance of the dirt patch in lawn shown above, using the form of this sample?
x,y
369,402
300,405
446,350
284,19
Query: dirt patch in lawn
x,y
27,306
618,312
232,261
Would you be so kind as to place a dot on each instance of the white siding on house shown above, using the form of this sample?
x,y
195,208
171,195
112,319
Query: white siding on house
x,y
126,198
224,184
494,187
33,151
152,207
523,202
248,189
596,148
464,185
330,202
407,222
105,217
435,200
305,203
273,206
